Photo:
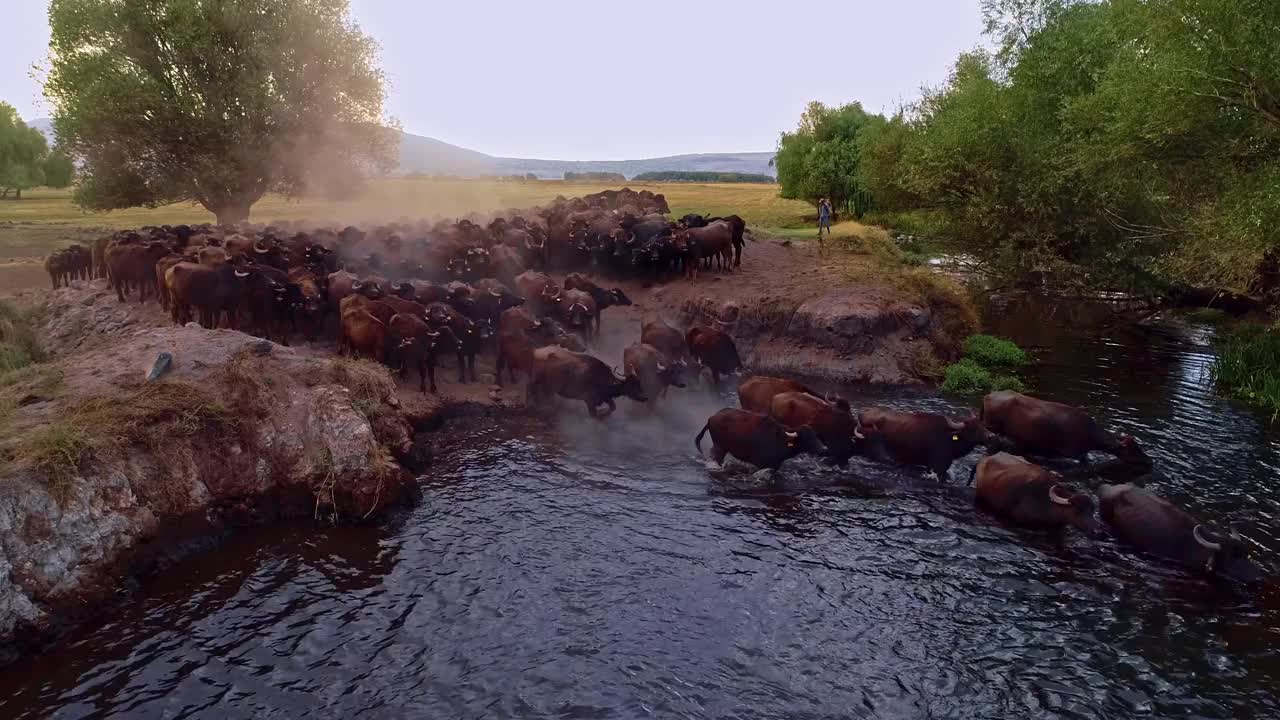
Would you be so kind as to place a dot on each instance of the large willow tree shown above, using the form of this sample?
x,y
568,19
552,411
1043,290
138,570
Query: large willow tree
x,y
214,101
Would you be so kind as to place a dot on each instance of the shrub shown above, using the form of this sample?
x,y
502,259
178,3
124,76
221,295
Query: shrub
x,y
1008,382
56,451
1248,367
18,346
990,351
966,378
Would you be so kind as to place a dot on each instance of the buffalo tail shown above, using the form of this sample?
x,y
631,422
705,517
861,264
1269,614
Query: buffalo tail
x,y
697,442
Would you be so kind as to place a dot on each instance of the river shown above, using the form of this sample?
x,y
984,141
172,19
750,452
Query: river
x,y
579,570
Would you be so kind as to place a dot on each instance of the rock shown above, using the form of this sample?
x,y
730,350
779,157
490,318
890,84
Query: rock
x,y
847,320
162,364
261,347
89,300
192,325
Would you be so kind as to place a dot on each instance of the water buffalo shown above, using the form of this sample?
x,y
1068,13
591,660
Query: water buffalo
x,y
668,341
578,310
756,439
363,334
518,335
1027,494
914,438
212,291
1154,525
539,290
603,298
412,342
714,350
756,392
1050,429
579,376
836,427
646,363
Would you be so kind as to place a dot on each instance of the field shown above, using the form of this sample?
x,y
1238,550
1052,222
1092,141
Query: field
x,y
46,219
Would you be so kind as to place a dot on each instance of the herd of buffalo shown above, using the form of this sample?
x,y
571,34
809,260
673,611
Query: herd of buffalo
x,y
781,418
404,294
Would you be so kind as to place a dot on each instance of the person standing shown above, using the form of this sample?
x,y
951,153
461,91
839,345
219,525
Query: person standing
x,y
824,217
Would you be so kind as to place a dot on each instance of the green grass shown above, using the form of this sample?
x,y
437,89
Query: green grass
x,y
967,377
1248,367
18,345
991,351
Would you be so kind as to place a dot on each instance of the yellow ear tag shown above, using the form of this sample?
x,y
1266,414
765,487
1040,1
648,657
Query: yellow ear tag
x,y
956,438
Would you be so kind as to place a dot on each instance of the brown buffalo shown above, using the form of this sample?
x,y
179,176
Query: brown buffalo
x,y
1027,494
539,290
518,335
836,427
756,439
668,340
915,438
579,376
646,363
756,392
1049,429
578,311
714,350
411,341
134,266
713,242
363,334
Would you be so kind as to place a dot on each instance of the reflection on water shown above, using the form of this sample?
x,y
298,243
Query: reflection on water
x,y
577,569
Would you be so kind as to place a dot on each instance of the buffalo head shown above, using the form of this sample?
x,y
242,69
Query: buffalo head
x,y
1229,555
1076,505
804,440
970,431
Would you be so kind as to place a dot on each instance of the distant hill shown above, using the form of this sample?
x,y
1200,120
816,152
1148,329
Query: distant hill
x,y
429,156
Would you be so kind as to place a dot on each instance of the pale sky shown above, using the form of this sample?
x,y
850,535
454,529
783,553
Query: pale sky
x,y
565,80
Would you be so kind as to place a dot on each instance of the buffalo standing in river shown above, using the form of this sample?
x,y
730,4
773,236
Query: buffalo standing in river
x,y
1050,429
1155,525
1027,494
934,441
756,439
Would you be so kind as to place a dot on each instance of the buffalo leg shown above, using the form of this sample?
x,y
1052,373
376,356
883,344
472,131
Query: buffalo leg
x,y
718,453
462,367
497,369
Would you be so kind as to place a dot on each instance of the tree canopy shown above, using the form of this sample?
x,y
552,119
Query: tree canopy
x,y
1113,143
820,157
24,156
219,103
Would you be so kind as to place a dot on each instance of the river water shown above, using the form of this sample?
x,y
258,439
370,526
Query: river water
x,y
578,570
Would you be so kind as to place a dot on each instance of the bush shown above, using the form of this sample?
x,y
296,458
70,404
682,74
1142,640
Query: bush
x,y
1248,367
18,346
966,378
1008,382
990,352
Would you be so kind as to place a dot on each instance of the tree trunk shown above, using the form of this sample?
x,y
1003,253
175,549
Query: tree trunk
x,y
233,213
17,194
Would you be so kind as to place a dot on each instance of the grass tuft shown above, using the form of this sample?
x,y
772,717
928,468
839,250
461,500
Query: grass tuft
x,y
56,451
991,351
18,345
1248,367
369,383
966,378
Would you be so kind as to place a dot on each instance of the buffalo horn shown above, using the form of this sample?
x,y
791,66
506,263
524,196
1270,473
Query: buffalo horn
x,y
790,435
662,368
495,292
433,334
1203,540
955,424
258,247
577,305
356,284
857,432
241,274
1058,498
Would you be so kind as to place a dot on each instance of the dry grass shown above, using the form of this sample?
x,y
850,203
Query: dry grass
x,y
56,451
370,383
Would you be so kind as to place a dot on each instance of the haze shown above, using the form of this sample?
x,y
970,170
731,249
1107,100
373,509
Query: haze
x,y
605,81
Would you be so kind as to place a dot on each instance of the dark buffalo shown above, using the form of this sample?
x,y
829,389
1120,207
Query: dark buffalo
x,y
491,299
363,334
470,335
539,290
412,342
836,427
579,376
756,439
1050,429
212,291
646,363
1027,494
603,298
756,393
912,438
1154,525
578,310
714,350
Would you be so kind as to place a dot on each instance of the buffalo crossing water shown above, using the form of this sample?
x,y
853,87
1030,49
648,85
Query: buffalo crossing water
x,y
587,570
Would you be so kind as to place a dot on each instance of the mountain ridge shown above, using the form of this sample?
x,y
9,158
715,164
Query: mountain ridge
x,y
420,154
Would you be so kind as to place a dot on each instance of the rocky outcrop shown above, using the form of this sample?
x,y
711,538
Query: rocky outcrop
x,y
104,473
844,335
